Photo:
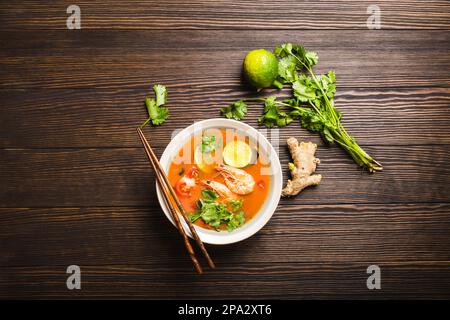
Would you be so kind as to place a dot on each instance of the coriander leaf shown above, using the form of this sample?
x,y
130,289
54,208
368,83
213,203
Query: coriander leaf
x,y
236,221
236,204
209,194
157,115
237,110
210,213
312,58
160,94
287,69
303,91
306,58
208,144
216,213
328,84
152,109
284,120
283,50
273,116
309,119
163,114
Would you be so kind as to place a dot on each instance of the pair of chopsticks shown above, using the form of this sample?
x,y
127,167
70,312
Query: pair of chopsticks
x,y
169,195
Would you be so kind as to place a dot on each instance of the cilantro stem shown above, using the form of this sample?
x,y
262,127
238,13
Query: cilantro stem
x,y
317,110
327,101
145,123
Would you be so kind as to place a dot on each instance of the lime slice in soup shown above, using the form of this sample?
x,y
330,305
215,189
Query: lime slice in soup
x,y
203,160
237,154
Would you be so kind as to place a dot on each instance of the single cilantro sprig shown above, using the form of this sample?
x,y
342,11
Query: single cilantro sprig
x,y
157,114
237,110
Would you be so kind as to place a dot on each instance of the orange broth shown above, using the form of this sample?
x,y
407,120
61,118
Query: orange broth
x,y
252,202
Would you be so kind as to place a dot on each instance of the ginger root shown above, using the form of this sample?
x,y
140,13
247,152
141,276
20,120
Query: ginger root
x,y
303,167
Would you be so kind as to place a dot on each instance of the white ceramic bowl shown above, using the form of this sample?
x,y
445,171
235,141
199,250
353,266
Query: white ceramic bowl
x,y
276,180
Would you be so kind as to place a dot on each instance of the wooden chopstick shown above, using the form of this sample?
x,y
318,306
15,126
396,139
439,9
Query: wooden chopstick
x,y
178,203
169,204
162,176
180,206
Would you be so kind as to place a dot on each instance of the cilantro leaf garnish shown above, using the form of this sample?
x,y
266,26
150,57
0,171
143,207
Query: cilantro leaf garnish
x,y
157,114
208,144
209,194
211,213
216,213
160,94
236,204
237,220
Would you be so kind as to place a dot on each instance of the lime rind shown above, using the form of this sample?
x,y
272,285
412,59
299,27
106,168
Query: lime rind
x,y
260,68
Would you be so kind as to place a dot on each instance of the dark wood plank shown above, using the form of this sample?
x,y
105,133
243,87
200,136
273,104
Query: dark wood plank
x,y
107,118
256,280
80,63
123,177
421,40
328,234
200,14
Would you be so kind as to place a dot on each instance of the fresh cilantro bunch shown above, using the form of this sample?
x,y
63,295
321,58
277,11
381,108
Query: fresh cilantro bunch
x,y
217,213
312,102
157,114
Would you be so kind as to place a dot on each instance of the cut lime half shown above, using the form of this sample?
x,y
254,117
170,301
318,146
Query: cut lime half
x,y
204,161
237,154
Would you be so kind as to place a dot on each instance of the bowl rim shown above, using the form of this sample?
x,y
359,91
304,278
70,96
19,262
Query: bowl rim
x,y
273,198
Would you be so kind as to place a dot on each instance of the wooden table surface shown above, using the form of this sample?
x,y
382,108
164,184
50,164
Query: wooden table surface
x,y
76,187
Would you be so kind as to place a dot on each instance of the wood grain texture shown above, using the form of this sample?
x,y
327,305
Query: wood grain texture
x,y
84,63
328,234
123,177
107,118
256,280
360,40
266,14
76,188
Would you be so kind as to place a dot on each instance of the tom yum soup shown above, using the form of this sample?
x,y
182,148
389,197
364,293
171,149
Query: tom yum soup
x,y
221,178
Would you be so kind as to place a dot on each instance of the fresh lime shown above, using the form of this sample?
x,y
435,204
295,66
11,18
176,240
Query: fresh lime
x,y
237,154
204,161
260,68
